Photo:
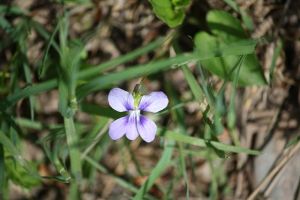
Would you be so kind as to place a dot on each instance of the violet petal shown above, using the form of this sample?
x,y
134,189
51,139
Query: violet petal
x,y
118,128
147,129
131,129
154,102
120,100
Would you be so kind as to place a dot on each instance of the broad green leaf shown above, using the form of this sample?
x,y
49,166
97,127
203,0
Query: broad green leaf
x,y
225,26
172,12
227,30
247,20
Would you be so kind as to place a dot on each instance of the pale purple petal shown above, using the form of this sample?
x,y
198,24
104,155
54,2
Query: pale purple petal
x,y
118,128
147,129
120,100
131,129
154,102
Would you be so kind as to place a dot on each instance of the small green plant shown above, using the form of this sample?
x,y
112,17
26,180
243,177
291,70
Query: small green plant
x,y
75,149
172,12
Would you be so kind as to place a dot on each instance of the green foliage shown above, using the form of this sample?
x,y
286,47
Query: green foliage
x,y
173,135
226,30
72,147
2,171
19,175
247,21
172,12
162,164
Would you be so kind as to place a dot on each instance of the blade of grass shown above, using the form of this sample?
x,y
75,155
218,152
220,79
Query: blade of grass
x,y
178,116
42,68
162,164
276,54
193,84
13,10
55,134
100,110
119,180
39,28
200,142
136,71
133,72
2,172
23,122
29,81
84,74
231,115
203,143
74,152
198,94
95,70
96,140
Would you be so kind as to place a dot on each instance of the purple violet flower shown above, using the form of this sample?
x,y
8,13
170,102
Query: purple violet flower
x,y
135,124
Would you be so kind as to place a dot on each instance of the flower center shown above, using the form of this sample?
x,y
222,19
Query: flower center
x,y
134,115
135,112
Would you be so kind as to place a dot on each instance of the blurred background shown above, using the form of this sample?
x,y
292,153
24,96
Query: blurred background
x,y
47,45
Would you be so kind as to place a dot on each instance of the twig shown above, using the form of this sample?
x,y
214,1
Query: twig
x,y
276,169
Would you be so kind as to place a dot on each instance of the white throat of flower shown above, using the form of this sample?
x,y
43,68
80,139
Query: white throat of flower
x,y
135,114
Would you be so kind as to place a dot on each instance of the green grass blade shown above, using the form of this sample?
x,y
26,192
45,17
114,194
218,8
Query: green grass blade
x,y
178,115
58,135
2,172
100,110
231,115
31,98
125,184
133,72
203,143
95,70
42,68
26,92
12,10
73,150
91,71
163,163
39,28
23,122
275,56
239,48
193,84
